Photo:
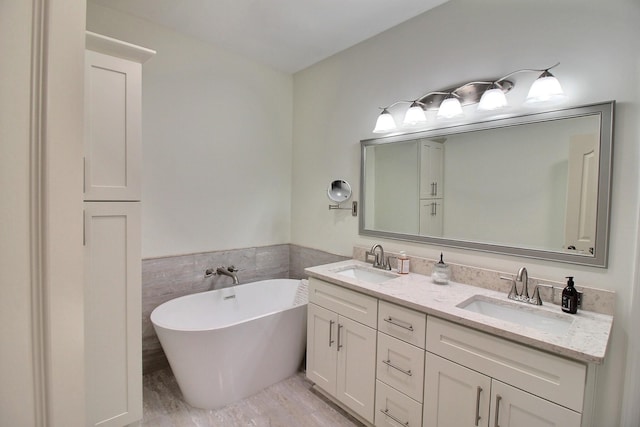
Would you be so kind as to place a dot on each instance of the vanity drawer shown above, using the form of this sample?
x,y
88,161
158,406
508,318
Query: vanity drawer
x,y
548,376
354,305
394,408
402,323
401,366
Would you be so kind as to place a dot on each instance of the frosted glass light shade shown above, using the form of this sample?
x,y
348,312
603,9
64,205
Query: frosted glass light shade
x,y
450,108
385,122
545,88
414,115
492,99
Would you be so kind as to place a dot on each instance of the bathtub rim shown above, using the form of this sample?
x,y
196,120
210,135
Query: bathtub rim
x,y
294,305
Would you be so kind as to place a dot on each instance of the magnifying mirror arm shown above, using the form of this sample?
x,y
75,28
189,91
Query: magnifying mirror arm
x,y
353,208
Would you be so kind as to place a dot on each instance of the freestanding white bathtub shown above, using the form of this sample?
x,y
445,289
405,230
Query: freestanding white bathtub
x,y
228,344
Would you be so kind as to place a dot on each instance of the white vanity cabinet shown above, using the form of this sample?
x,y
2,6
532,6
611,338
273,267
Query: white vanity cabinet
x,y
112,241
477,379
341,345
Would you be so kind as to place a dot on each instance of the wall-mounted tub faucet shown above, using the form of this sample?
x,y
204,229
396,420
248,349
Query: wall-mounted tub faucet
x,y
229,271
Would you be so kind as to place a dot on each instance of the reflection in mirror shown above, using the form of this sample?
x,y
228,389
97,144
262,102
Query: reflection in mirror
x,y
339,191
535,185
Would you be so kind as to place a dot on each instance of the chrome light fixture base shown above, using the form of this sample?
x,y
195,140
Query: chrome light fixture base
x,y
467,94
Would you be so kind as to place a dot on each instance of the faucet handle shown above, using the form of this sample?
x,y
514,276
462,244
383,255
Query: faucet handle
x,y
232,269
535,299
369,254
513,292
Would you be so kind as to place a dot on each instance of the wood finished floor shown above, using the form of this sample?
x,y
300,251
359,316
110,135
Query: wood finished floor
x,y
290,403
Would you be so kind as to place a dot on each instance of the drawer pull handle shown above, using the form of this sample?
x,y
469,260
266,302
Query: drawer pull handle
x,y
478,405
498,399
386,413
399,324
391,365
331,341
339,345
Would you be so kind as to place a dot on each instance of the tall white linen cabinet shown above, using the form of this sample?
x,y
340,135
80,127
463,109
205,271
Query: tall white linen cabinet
x,y
112,241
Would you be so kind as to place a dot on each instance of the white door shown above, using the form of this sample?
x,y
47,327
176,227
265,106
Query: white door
x,y
356,366
113,336
512,407
113,135
454,396
322,325
582,193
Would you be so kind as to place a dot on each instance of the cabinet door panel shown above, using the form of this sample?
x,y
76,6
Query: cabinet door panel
x,y
356,366
113,136
431,169
511,407
454,396
321,353
113,338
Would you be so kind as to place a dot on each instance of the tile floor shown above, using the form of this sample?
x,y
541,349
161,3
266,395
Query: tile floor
x,y
290,403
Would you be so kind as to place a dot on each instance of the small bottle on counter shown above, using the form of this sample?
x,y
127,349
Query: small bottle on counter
x,y
570,297
441,273
403,263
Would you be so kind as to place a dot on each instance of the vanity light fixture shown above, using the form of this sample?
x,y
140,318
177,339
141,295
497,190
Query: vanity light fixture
x,y
493,98
489,95
546,88
450,107
385,122
415,114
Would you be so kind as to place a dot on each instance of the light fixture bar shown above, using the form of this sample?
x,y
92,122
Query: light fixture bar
x,y
489,94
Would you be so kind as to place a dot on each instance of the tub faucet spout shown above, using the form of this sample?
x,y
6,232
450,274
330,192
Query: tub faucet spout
x,y
229,271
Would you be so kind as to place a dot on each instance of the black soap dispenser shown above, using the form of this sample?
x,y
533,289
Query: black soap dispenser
x,y
570,297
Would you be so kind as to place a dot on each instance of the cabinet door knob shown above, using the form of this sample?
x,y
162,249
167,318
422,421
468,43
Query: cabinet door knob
x,y
498,399
339,345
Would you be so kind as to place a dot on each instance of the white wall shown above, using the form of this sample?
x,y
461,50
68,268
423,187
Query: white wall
x,y
216,142
336,104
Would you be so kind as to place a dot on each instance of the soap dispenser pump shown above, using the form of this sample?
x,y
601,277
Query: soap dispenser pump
x,y
570,297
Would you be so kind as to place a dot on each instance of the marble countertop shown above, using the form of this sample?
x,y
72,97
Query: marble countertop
x,y
586,339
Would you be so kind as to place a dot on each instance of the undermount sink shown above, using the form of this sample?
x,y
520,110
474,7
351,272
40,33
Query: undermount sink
x,y
367,274
518,313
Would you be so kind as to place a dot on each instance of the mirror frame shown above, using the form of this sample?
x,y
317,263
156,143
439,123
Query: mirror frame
x,y
604,110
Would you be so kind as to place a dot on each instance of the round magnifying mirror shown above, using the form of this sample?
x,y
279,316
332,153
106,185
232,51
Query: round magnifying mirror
x,y
339,191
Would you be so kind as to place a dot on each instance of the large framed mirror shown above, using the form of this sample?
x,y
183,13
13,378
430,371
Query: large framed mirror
x,y
535,185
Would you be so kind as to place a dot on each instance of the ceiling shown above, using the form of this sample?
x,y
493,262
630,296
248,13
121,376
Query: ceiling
x,y
288,35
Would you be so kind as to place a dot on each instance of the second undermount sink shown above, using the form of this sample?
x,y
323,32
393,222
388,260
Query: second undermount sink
x,y
367,274
521,314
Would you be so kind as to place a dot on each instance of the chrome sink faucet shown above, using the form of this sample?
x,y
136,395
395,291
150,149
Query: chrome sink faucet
x,y
523,296
379,259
